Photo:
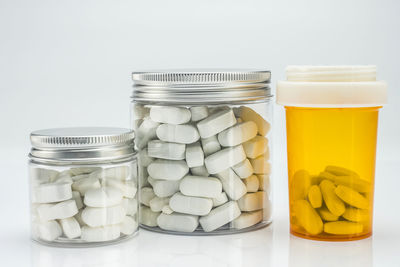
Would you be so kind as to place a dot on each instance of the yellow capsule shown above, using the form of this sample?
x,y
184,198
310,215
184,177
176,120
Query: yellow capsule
x,y
315,196
343,228
334,204
326,215
355,215
350,181
307,217
351,197
340,171
301,182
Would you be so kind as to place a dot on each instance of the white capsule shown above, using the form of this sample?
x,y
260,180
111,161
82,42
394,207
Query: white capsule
x,y
146,194
199,171
78,199
164,150
48,230
101,234
95,217
51,192
169,114
130,205
60,210
103,197
252,183
238,134
220,199
253,201
86,184
220,216
210,145
198,186
168,169
243,169
164,188
224,159
144,159
247,219
167,210
256,147
216,123
157,203
128,225
148,217
199,113
247,114
194,155
178,222
232,184
183,134
190,205
70,227
83,170
261,165
146,132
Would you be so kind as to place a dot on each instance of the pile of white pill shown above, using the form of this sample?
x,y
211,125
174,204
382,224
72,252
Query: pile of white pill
x,y
86,204
202,168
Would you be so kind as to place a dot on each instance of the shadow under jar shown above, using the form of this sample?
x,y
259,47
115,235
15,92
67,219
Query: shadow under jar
x,y
83,186
204,150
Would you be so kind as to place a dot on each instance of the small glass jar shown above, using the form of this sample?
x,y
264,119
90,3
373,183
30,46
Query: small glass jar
x,y
204,144
83,186
331,123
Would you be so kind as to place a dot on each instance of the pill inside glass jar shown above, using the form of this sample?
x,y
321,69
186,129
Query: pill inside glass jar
x,y
204,141
83,186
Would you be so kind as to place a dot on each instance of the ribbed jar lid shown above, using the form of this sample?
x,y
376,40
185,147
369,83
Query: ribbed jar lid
x,y
199,86
82,143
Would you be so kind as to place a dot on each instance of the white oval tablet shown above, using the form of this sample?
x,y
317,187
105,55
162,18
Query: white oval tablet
x,y
252,183
183,134
164,150
220,199
60,210
199,113
232,184
128,226
95,217
169,114
146,132
78,199
168,169
103,197
224,159
70,227
157,203
238,134
243,169
216,123
164,188
261,165
148,217
48,230
85,184
194,155
100,234
199,171
256,147
220,216
247,219
190,205
253,201
210,145
51,192
178,222
248,114
199,186
146,194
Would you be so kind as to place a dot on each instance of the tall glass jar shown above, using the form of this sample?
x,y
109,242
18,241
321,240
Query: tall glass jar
x,y
331,123
204,145
83,186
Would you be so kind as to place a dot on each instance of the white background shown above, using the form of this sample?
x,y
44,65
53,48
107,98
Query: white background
x,y
68,63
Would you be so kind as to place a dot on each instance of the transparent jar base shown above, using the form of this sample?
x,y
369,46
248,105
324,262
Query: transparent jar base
x,y
224,230
68,243
333,238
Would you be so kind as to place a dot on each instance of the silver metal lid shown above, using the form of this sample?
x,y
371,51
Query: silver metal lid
x,y
198,86
82,144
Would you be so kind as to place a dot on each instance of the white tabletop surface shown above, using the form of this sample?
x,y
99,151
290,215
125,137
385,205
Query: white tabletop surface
x,y
271,246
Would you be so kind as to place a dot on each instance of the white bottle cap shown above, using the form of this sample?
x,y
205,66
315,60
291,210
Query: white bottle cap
x,y
331,86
